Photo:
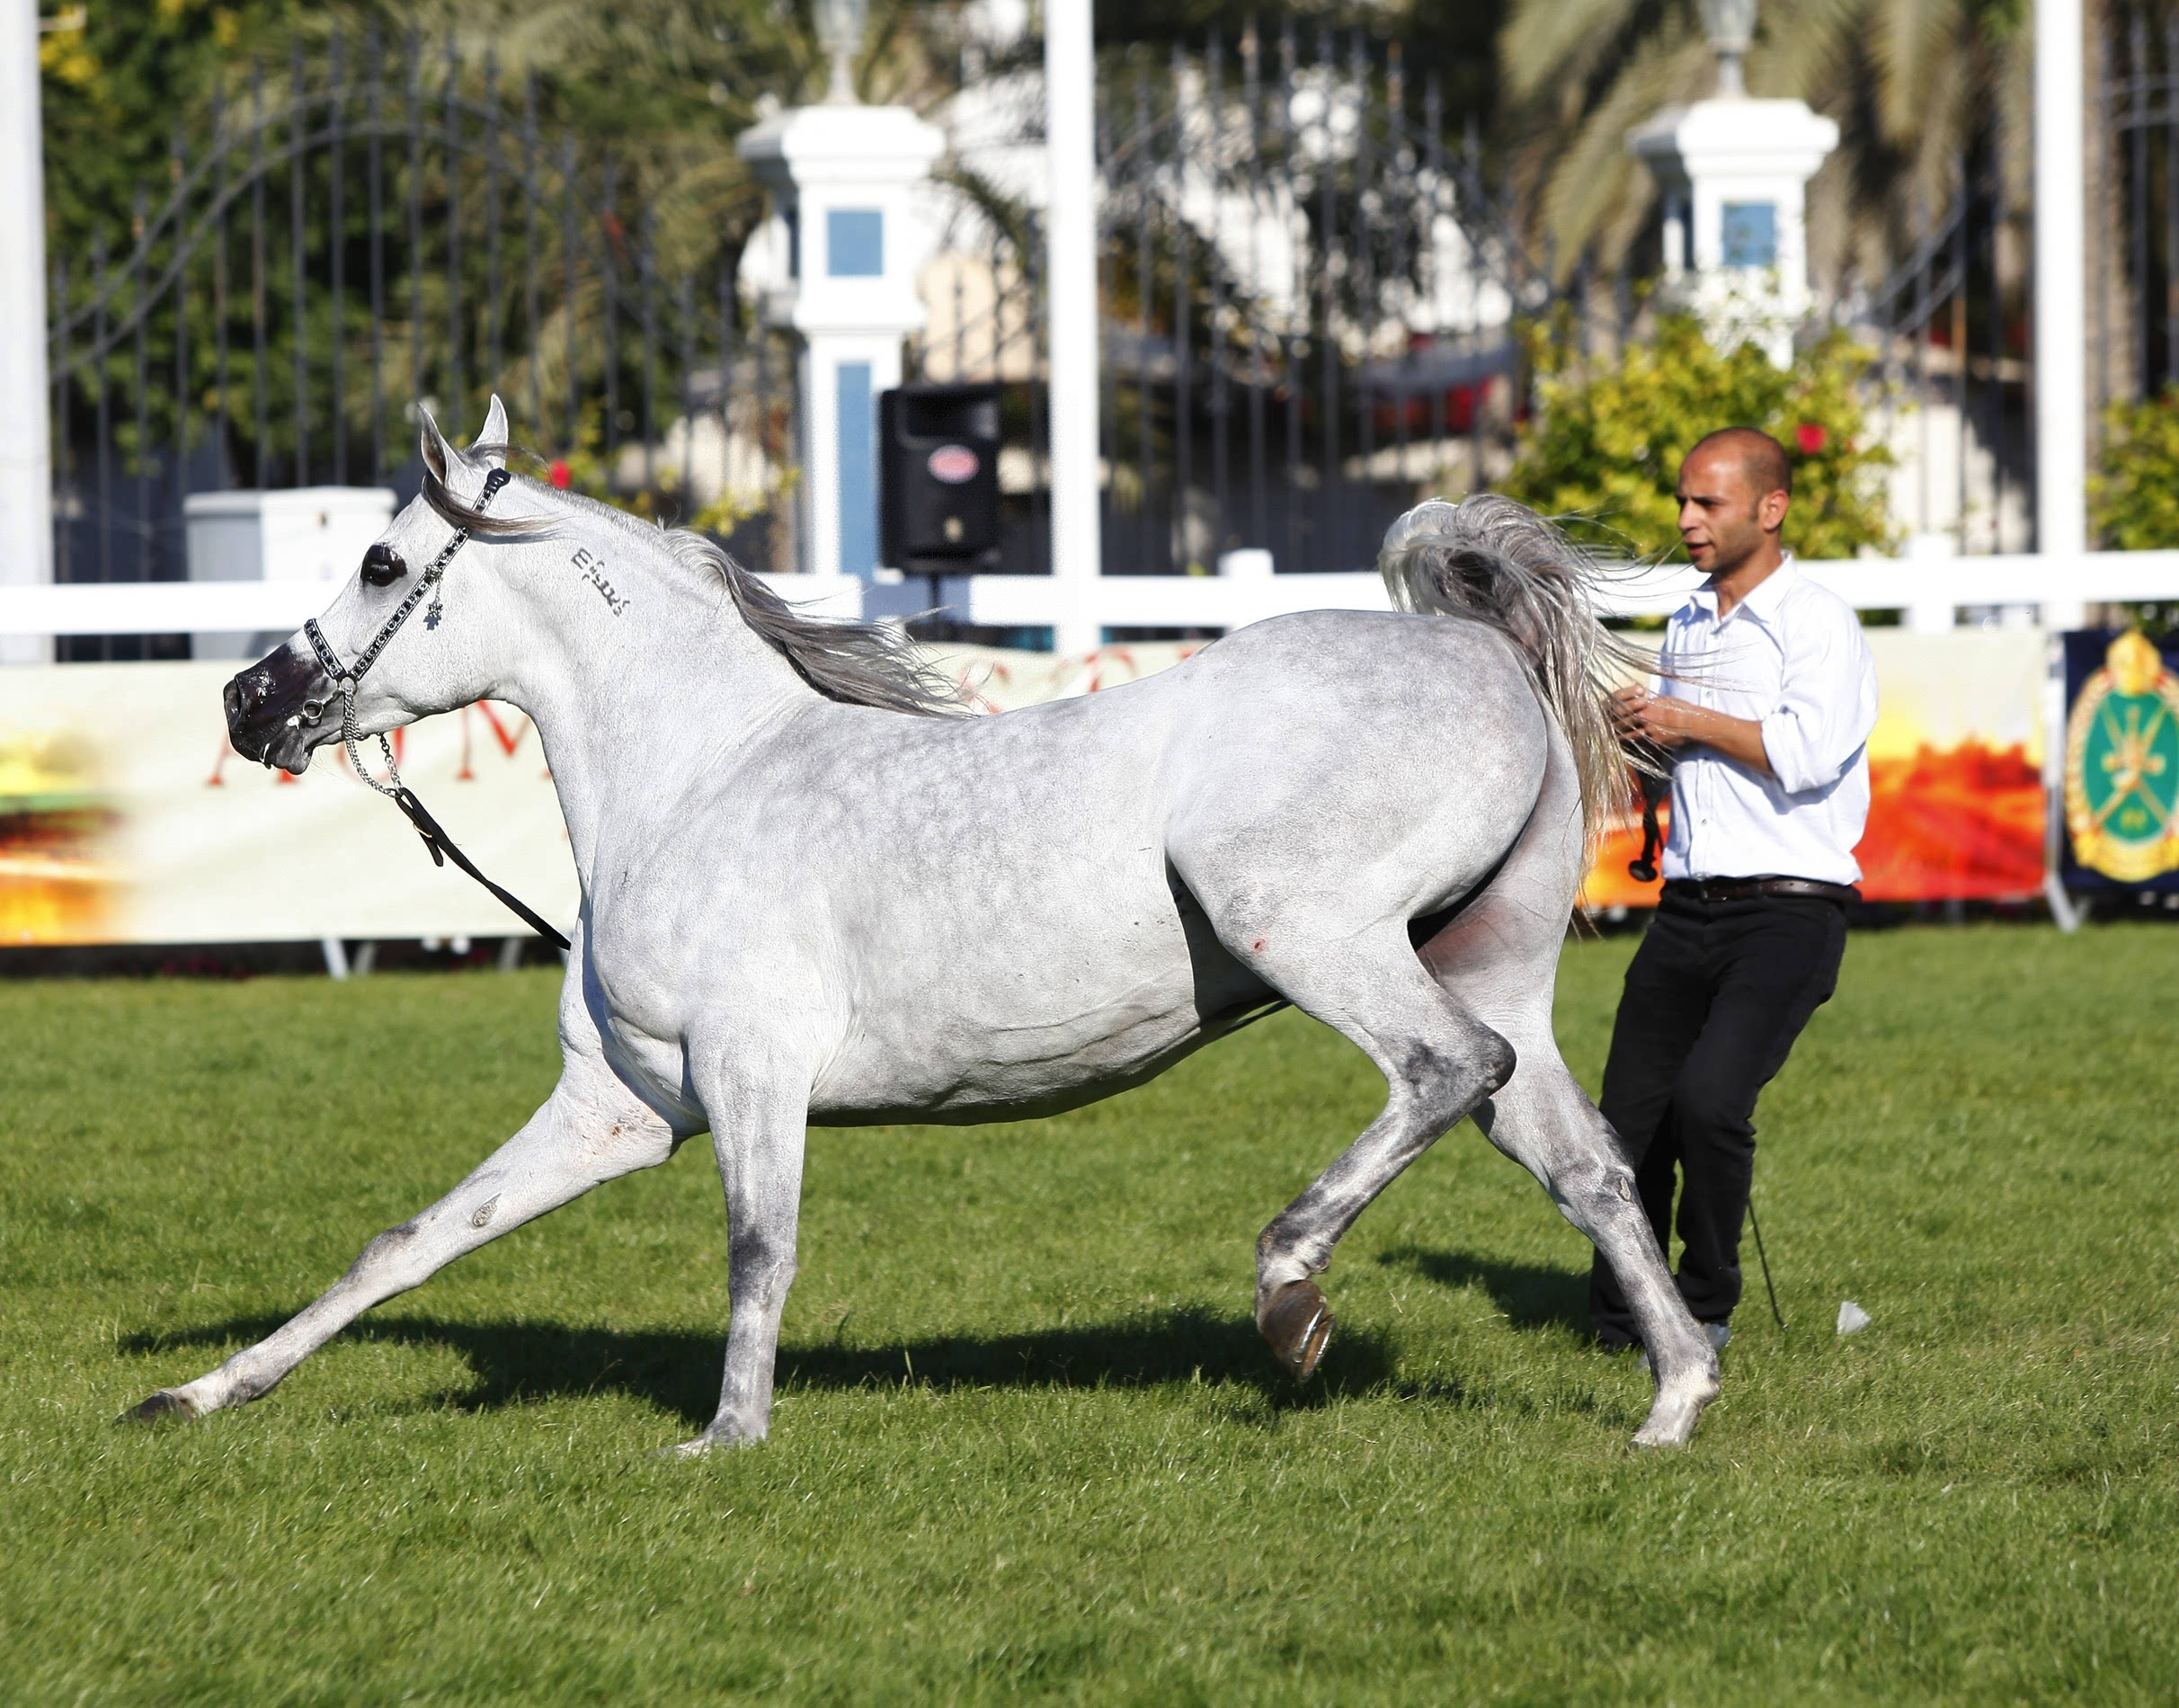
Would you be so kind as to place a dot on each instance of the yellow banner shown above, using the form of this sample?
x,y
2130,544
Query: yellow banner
x,y
125,817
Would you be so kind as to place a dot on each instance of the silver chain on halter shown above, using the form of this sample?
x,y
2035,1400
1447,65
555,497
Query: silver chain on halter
x,y
345,678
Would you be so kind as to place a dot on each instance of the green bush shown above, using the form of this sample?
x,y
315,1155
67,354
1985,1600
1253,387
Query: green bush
x,y
1606,446
2133,500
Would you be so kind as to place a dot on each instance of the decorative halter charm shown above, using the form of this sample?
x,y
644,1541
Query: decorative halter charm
x,y
344,680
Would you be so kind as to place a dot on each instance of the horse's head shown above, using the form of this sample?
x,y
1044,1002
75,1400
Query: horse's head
x,y
414,630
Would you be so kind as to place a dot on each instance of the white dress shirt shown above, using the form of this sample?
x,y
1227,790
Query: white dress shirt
x,y
1790,656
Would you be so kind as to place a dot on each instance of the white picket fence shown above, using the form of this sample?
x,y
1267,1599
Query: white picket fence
x,y
1932,593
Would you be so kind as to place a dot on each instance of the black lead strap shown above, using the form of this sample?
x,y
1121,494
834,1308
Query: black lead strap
x,y
442,849
1653,779
439,845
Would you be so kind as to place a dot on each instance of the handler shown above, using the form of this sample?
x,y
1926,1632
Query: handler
x,y
1765,695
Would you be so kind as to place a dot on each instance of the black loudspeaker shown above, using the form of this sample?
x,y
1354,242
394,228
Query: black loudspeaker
x,y
938,503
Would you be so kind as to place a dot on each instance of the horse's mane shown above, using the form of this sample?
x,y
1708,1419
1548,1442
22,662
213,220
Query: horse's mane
x,y
855,664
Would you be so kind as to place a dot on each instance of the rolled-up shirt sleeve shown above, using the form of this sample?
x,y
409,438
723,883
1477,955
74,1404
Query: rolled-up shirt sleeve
x,y
1826,703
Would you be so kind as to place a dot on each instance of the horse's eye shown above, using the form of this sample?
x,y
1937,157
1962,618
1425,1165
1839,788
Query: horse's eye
x,y
382,565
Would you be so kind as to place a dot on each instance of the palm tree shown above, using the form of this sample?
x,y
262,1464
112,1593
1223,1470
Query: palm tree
x,y
1915,86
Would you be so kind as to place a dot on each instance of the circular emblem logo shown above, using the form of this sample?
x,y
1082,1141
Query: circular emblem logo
x,y
956,465
2123,766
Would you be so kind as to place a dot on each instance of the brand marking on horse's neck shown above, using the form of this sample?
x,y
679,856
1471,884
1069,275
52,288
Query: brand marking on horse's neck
x,y
592,567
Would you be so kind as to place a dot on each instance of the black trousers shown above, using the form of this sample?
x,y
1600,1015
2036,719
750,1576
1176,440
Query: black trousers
x,y
1715,997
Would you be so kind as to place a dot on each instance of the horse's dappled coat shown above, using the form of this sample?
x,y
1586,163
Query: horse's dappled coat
x,y
807,900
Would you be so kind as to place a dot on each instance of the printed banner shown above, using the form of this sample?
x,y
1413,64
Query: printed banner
x,y
1956,804
125,817
2121,762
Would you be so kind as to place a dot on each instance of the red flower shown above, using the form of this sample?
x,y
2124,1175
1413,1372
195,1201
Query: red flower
x,y
1811,436
560,474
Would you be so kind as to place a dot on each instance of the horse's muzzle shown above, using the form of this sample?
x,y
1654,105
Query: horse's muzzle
x,y
281,707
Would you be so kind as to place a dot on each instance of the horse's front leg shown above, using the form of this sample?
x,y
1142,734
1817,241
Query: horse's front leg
x,y
759,1123
590,1130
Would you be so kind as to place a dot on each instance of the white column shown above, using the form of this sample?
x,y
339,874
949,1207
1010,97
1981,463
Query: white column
x,y
2061,236
1070,298
26,455
844,175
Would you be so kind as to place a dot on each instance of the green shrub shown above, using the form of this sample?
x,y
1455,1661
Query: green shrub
x,y
2133,500
1606,441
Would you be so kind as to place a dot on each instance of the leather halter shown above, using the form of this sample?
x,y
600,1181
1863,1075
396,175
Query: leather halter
x,y
344,680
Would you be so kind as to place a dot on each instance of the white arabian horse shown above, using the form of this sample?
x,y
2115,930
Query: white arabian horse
x,y
809,895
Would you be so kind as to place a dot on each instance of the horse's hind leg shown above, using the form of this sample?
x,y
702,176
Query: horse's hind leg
x,y
584,1136
1544,1121
1499,958
1439,1063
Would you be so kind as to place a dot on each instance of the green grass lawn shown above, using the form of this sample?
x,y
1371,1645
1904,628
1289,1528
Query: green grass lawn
x,y
1028,1443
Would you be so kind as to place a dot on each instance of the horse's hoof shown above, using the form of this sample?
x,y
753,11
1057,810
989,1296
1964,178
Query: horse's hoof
x,y
1677,1410
709,1443
1297,1323
163,1407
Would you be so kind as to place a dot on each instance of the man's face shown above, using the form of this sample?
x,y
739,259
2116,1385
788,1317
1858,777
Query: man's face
x,y
1722,516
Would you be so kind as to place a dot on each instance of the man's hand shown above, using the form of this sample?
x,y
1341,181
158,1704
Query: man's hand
x,y
1670,723
1630,717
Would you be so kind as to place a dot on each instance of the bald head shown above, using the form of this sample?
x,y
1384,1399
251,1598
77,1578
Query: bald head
x,y
1761,458
1734,489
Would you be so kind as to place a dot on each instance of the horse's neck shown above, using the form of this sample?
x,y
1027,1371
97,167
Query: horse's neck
x,y
630,707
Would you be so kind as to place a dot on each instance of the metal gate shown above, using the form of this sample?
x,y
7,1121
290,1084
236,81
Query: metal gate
x,y
1309,307
367,231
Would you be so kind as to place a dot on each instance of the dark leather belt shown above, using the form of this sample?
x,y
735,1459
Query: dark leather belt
x,y
1748,889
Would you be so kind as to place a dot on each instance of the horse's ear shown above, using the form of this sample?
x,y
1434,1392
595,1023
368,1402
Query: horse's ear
x,y
492,437
438,455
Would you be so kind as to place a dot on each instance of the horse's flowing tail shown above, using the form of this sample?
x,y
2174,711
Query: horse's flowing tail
x,y
1497,562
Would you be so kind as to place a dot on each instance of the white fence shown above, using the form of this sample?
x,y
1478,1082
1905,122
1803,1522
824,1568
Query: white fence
x,y
1932,593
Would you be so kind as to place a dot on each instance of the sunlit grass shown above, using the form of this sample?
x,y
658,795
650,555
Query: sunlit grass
x,y
1028,1444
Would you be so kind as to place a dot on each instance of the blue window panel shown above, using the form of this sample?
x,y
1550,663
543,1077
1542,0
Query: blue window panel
x,y
858,469
1749,234
854,243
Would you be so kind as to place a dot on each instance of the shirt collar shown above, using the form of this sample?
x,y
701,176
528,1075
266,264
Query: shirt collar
x,y
1762,604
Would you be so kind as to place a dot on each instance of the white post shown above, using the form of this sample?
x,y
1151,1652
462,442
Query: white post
x,y
1734,175
843,176
1070,286
2062,235
26,455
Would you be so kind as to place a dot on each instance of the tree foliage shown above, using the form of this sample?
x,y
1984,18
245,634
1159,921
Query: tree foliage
x,y
664,85
1911,82
2133,499
1606,443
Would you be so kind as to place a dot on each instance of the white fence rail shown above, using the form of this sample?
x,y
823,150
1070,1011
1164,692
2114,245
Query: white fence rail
x,y
1932,594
